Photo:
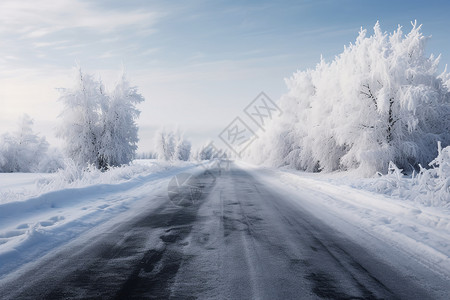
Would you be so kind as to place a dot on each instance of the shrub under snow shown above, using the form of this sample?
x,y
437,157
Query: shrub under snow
x,y
434,184
430,187
381,100
74,176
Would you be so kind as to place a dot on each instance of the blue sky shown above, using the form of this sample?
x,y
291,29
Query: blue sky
x,y
198,63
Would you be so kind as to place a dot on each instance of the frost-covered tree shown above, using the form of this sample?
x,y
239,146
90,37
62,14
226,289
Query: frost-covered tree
x,y
445,77
164,144
171,145
182,148
2,157
81,119
146,155
99,128
52,161
205,152
23,150
380,100
119,134
209,151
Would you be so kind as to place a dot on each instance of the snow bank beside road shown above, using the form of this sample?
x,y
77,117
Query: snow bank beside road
x,y
21,186
63,209
409,226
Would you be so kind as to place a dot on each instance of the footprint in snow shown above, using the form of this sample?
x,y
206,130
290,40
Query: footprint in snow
x,y
10,234
46,223
51,221
23,226
385,220
13,233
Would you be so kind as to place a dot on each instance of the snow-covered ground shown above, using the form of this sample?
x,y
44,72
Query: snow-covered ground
x,y
22,186
347,203
39,212
15,186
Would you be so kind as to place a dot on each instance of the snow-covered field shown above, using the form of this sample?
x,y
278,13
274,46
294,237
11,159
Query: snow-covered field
x,y
15,186
39,212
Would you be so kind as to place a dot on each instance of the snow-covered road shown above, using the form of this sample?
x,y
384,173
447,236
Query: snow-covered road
x,y
240,238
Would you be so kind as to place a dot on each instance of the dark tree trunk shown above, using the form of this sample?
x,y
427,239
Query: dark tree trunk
x,y
391,121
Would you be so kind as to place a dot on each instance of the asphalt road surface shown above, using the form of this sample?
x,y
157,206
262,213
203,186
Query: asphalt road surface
x,y
233,238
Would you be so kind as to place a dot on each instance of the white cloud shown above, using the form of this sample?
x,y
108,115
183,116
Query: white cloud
x,y
48,44
34,19
47,32
107,54
149,51
11,57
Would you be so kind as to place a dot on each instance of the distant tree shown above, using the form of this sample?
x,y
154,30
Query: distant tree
x,y
182,148
146,155
2,157
52,161
164,144
170,145
205,152
23,150
208,151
